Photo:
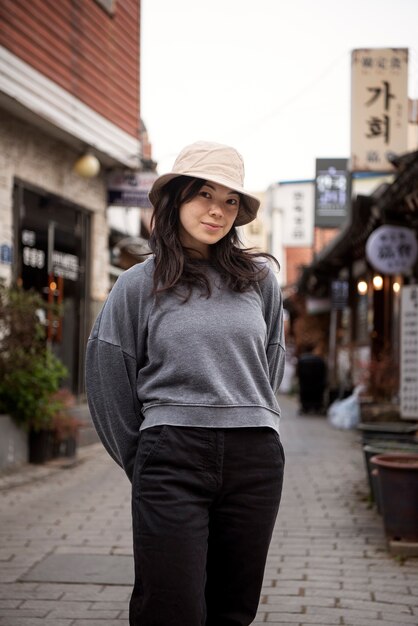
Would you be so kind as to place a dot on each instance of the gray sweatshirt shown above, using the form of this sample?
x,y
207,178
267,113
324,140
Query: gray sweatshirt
x,y
210,362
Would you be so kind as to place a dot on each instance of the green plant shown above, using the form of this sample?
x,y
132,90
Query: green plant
x,y
30,374
27,392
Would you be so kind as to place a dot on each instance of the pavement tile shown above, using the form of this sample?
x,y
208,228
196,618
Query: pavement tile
x,y
355,621
387,607
284,603
298,618
83,614
99,622
34,621
9,604
10,613
97,593
346,594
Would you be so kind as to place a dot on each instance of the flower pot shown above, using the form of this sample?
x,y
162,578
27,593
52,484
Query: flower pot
x,y
41,443
65,447
398,485
382,446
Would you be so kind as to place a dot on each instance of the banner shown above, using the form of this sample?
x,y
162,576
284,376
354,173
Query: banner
x,y
379,107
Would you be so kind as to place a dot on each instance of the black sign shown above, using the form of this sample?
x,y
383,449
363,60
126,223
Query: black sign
x,y
332,192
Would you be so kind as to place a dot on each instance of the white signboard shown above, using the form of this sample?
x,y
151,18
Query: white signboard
x,y
296,201
65,265
392,249
409,352
379,107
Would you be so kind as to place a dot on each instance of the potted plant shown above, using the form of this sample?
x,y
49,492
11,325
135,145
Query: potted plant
x,y
30,374
383,431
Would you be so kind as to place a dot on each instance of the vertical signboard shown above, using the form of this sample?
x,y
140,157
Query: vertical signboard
x,y
379,107
409,352
295,200
332,192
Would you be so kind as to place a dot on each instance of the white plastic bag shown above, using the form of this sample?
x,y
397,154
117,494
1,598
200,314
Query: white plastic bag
x,y
346,413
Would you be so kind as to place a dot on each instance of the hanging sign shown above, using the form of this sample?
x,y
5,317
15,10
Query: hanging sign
x,y
379,107
332,192
129,188
392,249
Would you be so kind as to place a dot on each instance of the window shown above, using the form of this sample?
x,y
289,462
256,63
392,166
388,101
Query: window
x,y
108,5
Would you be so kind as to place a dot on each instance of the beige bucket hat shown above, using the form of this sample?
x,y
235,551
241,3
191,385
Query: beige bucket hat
x,y
214,162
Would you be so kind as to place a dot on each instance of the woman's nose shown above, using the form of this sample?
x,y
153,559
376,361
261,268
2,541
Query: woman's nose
x,y
215,209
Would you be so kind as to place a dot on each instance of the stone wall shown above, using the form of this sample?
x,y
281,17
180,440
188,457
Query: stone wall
x,y
30,155
13,444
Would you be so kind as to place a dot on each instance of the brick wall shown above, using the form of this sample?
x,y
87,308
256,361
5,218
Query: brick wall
x,y
92,54
296,257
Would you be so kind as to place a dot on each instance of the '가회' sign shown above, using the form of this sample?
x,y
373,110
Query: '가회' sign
x,y
392,249
379,107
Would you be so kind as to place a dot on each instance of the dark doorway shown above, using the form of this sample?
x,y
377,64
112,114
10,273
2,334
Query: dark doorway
x,y
51,244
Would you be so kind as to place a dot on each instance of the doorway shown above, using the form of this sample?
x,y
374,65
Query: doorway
x,y
51,256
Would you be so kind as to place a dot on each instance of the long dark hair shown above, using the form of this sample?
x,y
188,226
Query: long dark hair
x,y
175,267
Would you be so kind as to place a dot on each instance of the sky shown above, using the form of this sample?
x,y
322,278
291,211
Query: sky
x,y
269,77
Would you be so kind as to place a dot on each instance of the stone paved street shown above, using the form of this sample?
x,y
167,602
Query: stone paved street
x,y
65,544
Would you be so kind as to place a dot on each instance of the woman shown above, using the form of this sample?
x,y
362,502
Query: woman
x,y
182,368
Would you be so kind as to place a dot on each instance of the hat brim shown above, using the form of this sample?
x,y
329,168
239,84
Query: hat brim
x,y
248,208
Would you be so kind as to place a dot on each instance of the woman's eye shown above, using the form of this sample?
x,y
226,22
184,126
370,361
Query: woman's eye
x,y
233,202
205,194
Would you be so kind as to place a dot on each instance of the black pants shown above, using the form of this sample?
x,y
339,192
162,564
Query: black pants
x,y
204,503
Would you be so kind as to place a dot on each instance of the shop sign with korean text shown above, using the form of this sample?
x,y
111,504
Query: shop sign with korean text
x,y
332,192
129,188
392,249
379,107
409,352
296,202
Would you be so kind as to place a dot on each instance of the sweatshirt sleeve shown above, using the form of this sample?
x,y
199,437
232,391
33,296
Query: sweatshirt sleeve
x,y
273,315
115,350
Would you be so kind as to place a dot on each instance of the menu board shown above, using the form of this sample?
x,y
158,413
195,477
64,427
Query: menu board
x,y
409,352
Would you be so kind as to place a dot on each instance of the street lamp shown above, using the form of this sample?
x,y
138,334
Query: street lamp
x,y
362,287
377,282
87,166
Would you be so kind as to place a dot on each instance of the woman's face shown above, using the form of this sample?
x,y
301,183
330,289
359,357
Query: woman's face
x,y
208,217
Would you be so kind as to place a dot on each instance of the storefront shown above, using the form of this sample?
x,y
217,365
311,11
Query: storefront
x,y
364,340
51,256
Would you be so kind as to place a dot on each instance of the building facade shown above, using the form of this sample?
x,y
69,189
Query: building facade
x,y
69,88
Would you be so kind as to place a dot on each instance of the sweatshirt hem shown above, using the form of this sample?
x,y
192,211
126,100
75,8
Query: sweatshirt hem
x,y
199,416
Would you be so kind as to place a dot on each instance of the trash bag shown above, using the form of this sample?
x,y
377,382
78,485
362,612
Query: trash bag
x,y
346,413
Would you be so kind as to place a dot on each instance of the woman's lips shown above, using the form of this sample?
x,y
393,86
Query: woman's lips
x,y
212,227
